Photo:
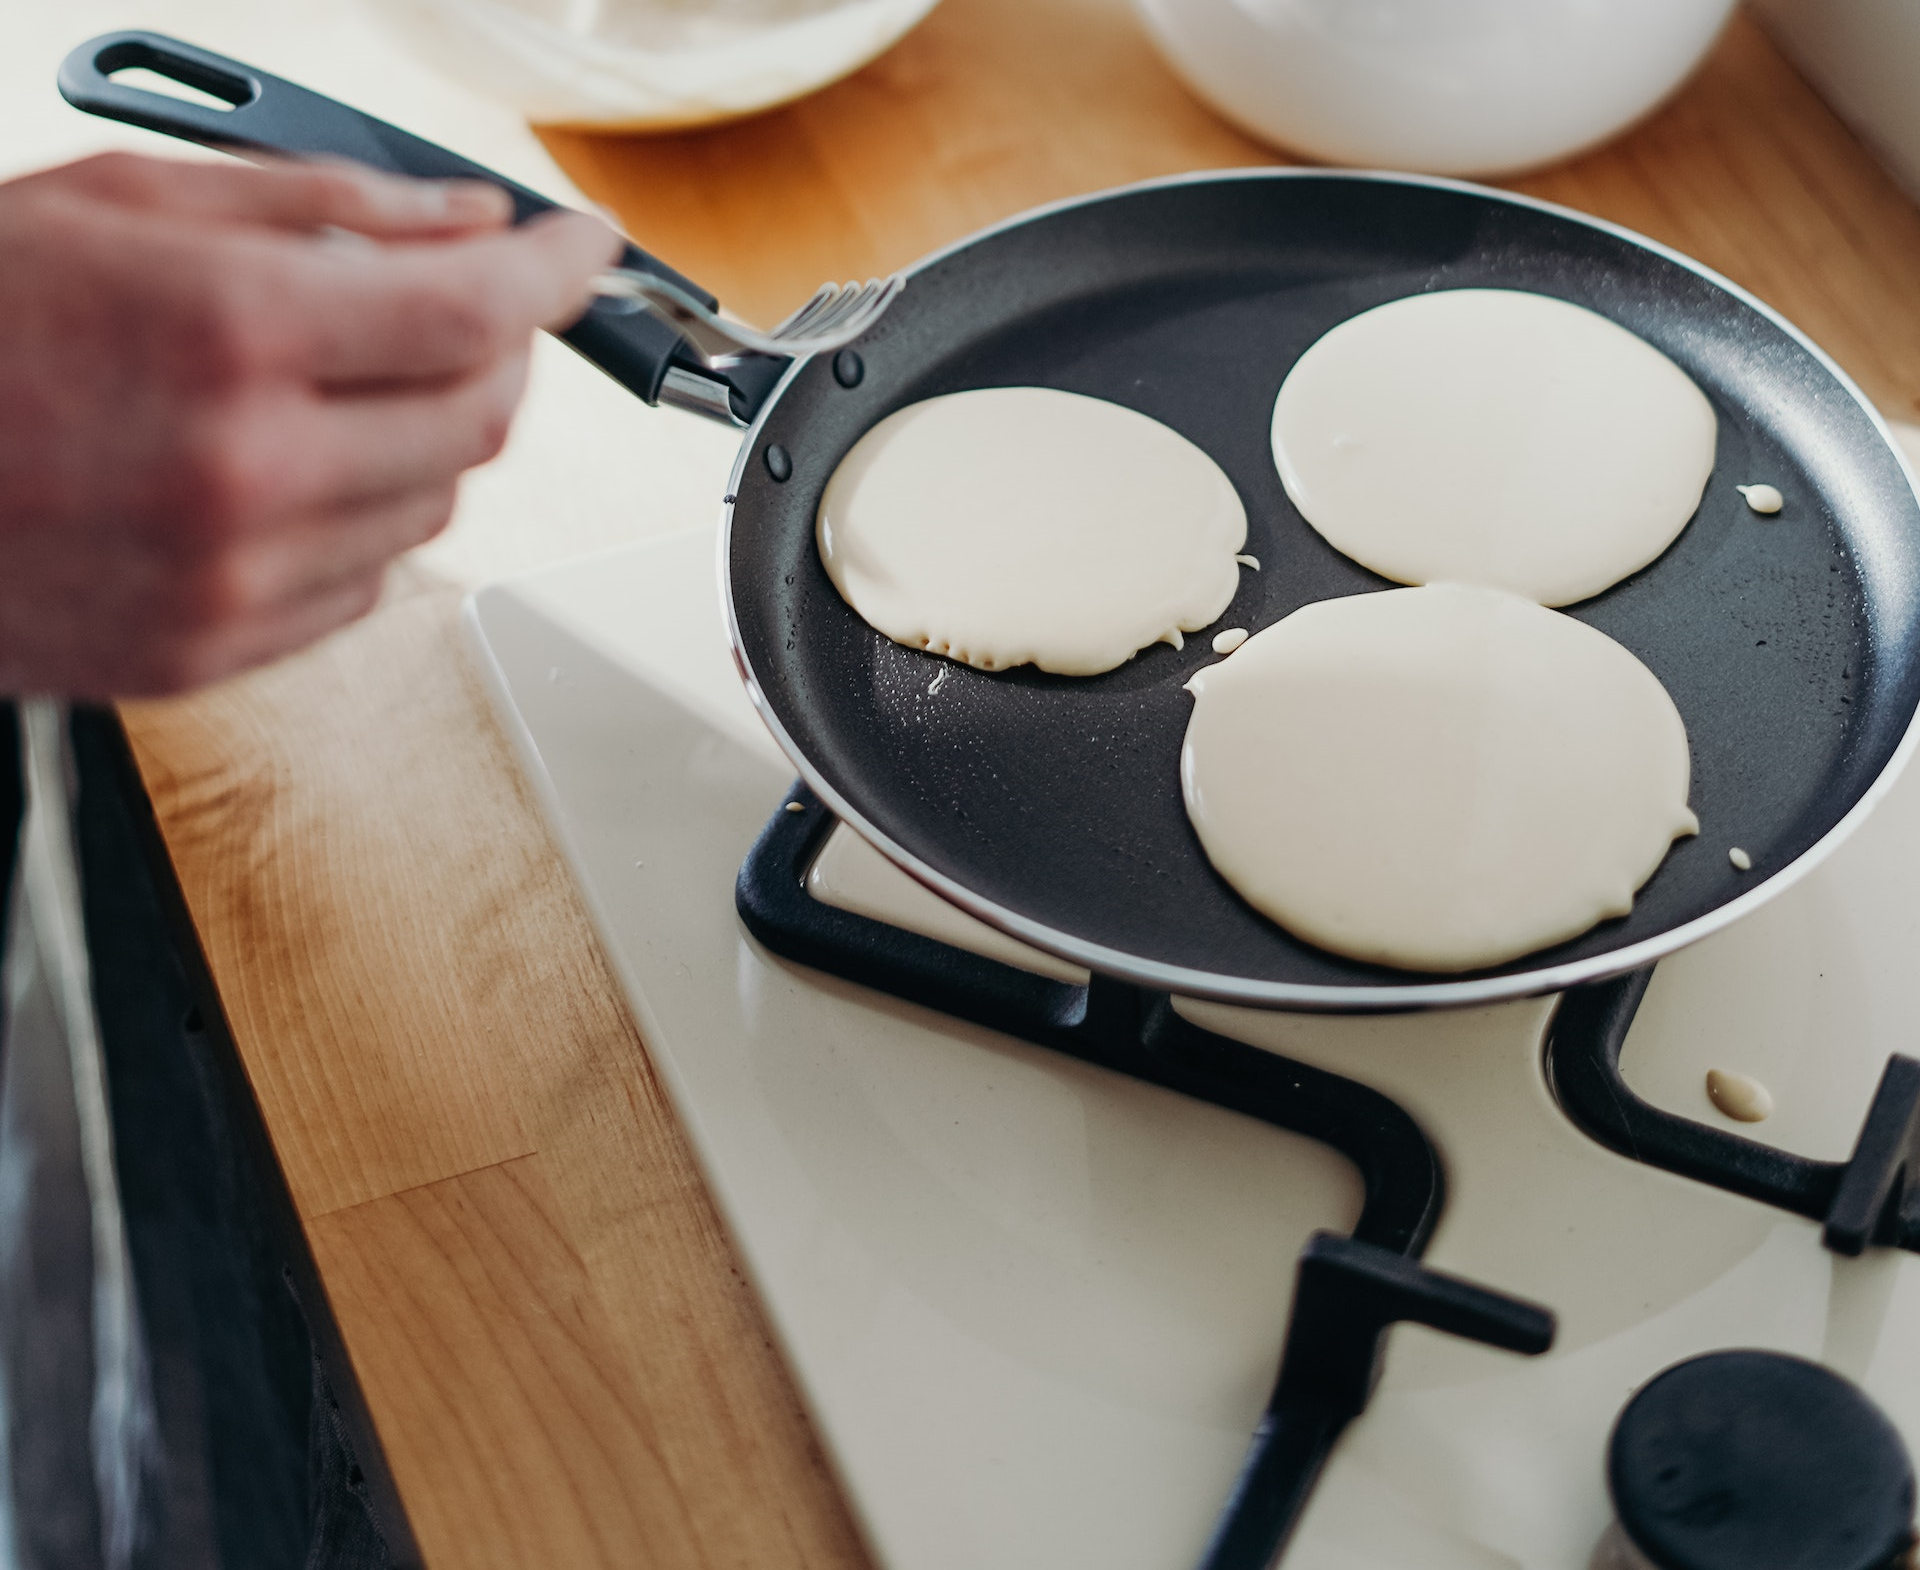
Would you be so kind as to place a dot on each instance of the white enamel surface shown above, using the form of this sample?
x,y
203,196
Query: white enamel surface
x,y
1439,779
1034,1308
1466,87
642,64
1024,525
1493,436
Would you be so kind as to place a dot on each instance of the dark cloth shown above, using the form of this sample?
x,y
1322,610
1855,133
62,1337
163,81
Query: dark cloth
x,y
254,1468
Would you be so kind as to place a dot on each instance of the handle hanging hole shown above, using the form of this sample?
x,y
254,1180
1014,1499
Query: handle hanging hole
x,y
141,66
151,81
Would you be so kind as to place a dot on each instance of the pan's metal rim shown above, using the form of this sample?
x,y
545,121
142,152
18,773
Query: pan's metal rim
x,y
1241,991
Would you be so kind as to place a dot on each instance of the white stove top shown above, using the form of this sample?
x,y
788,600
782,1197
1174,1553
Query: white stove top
x,y
1036,1308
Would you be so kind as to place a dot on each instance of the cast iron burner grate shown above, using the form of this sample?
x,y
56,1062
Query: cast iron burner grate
x,y
1349,1290
1873,1198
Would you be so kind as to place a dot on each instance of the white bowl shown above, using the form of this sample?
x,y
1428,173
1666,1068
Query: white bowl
x,y
647,64
1441,86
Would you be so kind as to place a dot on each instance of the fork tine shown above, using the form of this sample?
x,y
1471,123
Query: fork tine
x,y
862,299
822,312
879,294
855,307
860,310
810,325
803,320
838,315
832,312
832,302
809,313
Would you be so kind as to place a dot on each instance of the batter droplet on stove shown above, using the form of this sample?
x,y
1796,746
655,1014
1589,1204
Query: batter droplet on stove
x,y
1740,1098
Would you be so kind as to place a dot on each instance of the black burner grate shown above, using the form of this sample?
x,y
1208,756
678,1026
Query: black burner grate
x,y
1872,1198
1349,1291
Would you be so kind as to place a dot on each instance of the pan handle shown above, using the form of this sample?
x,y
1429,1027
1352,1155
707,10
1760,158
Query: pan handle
x,y
261,114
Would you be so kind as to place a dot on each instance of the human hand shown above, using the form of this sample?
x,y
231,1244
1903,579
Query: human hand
x,y
229,396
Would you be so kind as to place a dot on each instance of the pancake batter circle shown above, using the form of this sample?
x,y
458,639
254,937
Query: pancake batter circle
x,y
1436,779
1025,525
1493,436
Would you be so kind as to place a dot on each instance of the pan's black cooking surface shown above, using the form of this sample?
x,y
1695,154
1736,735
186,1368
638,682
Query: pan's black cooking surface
x,y
1788,643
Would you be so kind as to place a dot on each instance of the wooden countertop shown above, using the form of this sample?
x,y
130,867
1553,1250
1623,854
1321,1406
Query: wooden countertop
x,y
562,1357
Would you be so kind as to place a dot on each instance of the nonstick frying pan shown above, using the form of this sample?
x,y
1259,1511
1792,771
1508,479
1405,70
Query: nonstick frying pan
x,y
1050,806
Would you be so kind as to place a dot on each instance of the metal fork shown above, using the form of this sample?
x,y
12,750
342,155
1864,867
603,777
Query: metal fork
x,y
835,316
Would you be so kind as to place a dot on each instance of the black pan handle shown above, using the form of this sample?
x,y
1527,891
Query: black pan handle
x,y
264,114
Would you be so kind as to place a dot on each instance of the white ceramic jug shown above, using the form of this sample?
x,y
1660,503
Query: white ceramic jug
x,y
1444,86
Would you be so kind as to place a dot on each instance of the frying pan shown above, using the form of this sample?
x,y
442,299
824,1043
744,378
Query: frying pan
x,y
1050,806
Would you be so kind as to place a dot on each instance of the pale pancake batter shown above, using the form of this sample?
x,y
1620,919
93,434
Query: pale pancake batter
x,y
1740,1097
1493,436
1017,525
1438,779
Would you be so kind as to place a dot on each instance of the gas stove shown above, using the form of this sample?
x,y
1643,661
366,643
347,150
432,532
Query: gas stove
x,y
1031,1244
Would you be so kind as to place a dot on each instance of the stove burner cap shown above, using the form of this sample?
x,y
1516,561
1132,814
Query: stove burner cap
x,y
1758,1461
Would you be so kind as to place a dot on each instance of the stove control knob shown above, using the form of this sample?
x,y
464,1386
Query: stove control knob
x,y
1757,1461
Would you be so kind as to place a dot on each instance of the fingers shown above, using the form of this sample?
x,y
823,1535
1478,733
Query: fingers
x,y
295,626
443,289
316,555
305,197
190,492
416,312
256,460
241,644
276,594
360,448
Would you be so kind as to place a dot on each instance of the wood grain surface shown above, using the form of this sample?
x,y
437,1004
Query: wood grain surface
x,y
563,1360
994,106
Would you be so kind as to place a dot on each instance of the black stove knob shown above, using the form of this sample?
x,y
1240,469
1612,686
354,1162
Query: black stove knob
x,y
1759,1461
